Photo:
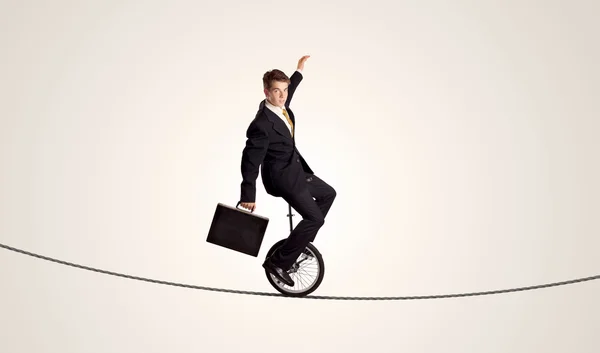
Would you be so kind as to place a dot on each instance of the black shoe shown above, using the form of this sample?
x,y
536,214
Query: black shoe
x,y
282,275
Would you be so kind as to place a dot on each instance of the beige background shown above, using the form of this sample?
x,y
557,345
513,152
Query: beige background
x,y
462,138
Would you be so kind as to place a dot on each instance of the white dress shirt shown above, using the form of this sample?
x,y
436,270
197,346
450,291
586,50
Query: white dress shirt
x,y
279,111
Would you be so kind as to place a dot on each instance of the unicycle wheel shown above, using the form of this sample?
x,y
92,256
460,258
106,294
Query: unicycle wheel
x,y
307,272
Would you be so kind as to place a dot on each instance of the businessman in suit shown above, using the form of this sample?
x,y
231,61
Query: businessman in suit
x,y
271,145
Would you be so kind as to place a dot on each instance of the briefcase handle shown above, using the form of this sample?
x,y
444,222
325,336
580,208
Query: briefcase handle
x,y
241,209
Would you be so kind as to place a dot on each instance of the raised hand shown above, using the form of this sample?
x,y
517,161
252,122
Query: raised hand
x,y
302,61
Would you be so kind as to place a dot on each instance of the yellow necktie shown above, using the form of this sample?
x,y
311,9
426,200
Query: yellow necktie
x,y
289,120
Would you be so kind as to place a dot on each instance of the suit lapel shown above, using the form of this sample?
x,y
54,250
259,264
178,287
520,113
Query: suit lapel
x,y
278,124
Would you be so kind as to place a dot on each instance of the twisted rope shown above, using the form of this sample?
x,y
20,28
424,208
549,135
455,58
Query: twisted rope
x,y
235,291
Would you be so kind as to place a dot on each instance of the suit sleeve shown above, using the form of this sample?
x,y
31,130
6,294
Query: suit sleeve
x,y
295,81
252,157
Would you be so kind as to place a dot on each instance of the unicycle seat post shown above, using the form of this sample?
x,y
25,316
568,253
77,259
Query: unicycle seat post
x,y
290,215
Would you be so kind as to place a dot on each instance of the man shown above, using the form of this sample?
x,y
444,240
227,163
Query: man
x,y
271,144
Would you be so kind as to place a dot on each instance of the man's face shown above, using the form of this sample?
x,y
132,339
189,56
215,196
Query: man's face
x,y
278,93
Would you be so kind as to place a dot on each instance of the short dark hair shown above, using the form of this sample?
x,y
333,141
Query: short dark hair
x,y
274,75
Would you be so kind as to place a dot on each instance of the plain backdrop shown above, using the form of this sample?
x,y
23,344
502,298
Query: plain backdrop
x,y
461,137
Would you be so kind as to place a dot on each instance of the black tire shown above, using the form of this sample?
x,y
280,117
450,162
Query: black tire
x,y
282,288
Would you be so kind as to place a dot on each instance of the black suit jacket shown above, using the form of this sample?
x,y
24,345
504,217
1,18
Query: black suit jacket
x,y
271,147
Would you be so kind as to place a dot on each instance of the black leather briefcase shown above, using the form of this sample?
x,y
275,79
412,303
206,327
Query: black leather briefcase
x,y
237,229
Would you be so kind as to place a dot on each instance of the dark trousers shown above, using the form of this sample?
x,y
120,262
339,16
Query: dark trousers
x,y
312,204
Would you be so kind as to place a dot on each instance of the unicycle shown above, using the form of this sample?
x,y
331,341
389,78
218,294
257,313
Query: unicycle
x,y
307,271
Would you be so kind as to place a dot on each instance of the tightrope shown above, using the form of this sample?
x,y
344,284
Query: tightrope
x,y
235,291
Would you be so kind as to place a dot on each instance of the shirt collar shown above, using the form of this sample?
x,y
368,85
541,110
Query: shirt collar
x,y
273,107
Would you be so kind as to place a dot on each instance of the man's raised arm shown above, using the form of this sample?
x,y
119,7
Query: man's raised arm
x,y
295,79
